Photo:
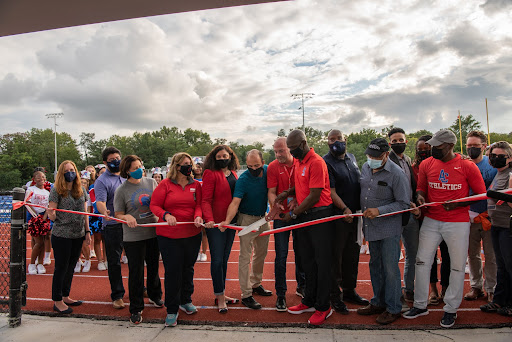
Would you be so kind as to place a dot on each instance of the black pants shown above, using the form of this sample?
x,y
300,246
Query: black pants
x,y
179,257
315,244
66,253
137,252
113,235
345,258
445,266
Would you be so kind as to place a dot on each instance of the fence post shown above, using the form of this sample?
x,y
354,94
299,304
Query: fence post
x,y
17,260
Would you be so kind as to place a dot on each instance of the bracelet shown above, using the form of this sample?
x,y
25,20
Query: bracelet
x,y
343,210
163,216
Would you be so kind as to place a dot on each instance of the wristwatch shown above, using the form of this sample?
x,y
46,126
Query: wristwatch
x,y
293,215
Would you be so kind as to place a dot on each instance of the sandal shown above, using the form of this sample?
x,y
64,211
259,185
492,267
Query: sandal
x,y
228,301
490,307
505,311
433,299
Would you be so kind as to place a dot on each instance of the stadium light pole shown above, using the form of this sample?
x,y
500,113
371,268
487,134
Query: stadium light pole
x,y
55,116
303,96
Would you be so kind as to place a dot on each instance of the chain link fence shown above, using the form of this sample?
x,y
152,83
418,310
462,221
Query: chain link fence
x,y
5,248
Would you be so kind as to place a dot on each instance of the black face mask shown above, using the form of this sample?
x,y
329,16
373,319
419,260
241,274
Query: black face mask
x,y
222,163
255,172
498,161
186,170
113,165
474,152
438,153
399,148
424,154
338,148
298,152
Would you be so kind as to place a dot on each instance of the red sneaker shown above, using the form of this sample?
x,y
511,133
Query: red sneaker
x,y
319,317
301,308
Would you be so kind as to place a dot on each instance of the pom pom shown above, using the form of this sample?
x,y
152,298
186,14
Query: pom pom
x,y
38,227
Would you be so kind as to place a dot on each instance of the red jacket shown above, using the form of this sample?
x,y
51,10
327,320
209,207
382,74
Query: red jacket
x,y
182,203
216,195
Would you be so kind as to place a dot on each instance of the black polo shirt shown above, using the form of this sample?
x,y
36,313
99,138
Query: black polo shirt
x,y
344,176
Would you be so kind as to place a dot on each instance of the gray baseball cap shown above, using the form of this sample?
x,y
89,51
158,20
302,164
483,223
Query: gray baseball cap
x,y
441,137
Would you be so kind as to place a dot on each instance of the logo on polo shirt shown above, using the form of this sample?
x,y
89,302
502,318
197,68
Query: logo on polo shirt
x,y
304,171
192,189
443,176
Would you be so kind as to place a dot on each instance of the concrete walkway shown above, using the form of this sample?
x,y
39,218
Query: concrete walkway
x,y
61,329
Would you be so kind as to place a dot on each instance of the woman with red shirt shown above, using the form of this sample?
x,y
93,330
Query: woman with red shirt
x,y
178,199
219,179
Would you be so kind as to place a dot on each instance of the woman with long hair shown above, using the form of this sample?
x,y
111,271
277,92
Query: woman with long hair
x,y
178,199
219,179
69,232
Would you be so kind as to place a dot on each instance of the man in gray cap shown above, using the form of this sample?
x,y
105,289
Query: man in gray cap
x,y
444,177
384,189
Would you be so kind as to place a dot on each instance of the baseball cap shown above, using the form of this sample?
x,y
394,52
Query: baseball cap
x,y
377,147
441,137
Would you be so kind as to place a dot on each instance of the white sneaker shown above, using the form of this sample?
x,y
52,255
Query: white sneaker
x,y
367,250
199,257
124,259
40,269
93,253
401,255
102,266
32,269
47,261
87,266
203,257
362,250
37,261
78,266
160,257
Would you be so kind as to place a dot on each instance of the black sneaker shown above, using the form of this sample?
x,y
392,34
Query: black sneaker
x,y
260,290
136,318
157,303
251,303
414,313
351,296
448,320
301,292
340,307
281,304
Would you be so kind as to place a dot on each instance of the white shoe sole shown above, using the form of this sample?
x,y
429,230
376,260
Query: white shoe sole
x,y
448,326
329,315
301,312
418,315
187,312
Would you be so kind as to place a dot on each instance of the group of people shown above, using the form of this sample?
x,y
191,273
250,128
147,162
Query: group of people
x,y
172,217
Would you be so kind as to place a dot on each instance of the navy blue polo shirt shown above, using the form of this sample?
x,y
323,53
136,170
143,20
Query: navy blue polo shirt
x,y
344,176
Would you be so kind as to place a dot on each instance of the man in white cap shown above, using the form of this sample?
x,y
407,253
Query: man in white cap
x,y
444,177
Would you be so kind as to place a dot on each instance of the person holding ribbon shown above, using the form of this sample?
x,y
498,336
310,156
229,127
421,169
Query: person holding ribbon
x,y
177,199
279,179
313,192
131,203
219,179
443,178
104,189
344,178
68,234
250,201
384,189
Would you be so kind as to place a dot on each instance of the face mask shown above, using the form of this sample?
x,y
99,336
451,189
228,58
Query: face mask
x,y
424,154
498,162
186,170
474,152
374,163
137,174
338,148
297,152
256,172
222,163
438,153
399,148
70,176
113,166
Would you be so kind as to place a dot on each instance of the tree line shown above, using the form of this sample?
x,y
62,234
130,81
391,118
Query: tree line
x,y
21,152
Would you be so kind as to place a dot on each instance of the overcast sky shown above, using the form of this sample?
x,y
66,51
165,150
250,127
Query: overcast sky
x,y
231,71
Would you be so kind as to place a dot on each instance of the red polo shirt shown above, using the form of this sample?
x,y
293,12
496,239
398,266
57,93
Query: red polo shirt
x,y
312,173
280,176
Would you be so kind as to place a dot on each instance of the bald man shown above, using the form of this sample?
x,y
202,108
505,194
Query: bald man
x,y
313,193
250,201
279,179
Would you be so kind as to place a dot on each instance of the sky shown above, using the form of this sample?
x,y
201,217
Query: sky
x,y
231,71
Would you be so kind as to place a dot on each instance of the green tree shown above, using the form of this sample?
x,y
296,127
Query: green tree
x,y
468,124
86,140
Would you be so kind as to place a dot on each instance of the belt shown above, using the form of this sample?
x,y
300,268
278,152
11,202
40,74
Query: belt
x,y
316,209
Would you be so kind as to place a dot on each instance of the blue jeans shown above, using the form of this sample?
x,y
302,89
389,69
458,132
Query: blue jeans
x,y
113,248
502,243
220,248
385,274
410,239
281,246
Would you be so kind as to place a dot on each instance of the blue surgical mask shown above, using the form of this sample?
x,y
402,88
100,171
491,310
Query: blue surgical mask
x,y
137,174
374,163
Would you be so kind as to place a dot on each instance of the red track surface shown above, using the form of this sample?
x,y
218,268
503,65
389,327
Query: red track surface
x,y
94,289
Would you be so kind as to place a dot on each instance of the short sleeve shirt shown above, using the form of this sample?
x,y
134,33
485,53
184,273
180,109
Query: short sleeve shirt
x,y
311,173
344,176
253,192
69,225
104,189
280,176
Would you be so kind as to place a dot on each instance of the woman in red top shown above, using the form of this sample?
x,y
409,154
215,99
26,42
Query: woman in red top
x,y
178,199
219,179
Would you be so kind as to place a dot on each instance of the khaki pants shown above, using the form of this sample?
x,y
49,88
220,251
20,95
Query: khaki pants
x,y
476,280
251,245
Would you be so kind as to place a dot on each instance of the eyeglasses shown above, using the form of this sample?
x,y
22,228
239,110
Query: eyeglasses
x,y
492,155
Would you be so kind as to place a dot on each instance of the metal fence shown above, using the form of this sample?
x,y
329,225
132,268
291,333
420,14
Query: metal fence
x,y
12,256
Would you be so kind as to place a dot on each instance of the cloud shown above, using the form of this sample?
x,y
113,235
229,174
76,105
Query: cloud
x,y
493,6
